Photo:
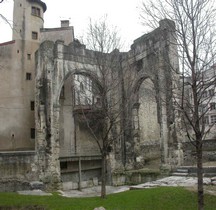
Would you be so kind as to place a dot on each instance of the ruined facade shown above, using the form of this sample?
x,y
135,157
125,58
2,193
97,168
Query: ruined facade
x,y
42,137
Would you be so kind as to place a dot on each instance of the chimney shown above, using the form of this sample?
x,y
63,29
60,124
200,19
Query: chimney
x,y
64,23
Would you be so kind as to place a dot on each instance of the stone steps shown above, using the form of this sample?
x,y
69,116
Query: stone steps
x,y
208,171
180,172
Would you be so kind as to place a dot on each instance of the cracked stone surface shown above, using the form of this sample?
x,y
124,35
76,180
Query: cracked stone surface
x,y
172,181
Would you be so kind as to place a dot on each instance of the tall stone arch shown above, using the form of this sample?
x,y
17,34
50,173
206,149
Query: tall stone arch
x,y
53,68
154,56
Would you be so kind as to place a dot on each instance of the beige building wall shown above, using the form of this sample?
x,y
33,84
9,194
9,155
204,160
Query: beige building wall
x,y
17,63
26,20
54,34
17,78
17,96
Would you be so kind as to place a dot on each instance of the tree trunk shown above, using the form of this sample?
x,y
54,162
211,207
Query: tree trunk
x,y
200,176
103,177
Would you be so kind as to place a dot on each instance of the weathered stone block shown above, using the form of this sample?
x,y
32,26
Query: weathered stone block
x,y
67,185
36,185
95,181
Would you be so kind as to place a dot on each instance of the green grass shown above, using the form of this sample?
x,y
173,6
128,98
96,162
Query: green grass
x,y
163,198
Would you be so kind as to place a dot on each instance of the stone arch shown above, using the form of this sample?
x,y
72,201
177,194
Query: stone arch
x,y
84,72
146,142
52,70
75,139
55,62
139,81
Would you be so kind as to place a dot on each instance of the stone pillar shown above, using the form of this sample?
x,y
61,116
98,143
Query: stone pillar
x,y
53,176
164,136
41,141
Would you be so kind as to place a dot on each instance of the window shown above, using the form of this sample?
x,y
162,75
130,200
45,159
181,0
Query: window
x,y
77,78
34,35
28,76
32,104
63,165
213,119
212,106
206,120
36,11
62,95
205,94
81,87
201,108
98,101
32,133
211,92
29,56
139,64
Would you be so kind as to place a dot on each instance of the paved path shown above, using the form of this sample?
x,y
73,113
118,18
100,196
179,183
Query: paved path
x,y
172,181
93,191
190,182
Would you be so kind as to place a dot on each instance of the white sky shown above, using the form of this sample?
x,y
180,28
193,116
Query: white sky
x,y
121,13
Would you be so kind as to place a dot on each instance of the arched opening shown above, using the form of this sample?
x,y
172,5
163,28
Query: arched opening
x,y
146,126
80,157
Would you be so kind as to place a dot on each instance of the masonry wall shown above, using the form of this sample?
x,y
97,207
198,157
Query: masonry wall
x,y
209,153
17,170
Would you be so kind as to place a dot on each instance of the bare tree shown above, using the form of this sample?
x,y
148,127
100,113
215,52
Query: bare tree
x,y
195,34
105,111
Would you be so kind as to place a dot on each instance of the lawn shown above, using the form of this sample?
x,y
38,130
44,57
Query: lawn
x,y
163,198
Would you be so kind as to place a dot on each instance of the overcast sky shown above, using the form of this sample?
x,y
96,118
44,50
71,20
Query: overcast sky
x,y
121,13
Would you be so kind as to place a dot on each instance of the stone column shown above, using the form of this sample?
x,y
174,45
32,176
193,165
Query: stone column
x,y
53,170
40,141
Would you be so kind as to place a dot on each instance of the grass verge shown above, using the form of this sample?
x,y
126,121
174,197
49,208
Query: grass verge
x,y
162,198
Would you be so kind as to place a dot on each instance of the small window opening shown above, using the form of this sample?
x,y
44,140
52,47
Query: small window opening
x,y
34,35
28,76
32,133
62,94
29,56
212,106
213,119
206,120
32,105
63,165
36,11
81,87
139,64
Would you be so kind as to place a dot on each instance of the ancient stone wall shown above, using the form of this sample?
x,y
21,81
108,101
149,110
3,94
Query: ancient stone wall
x,y
209,154
149,59
18,169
